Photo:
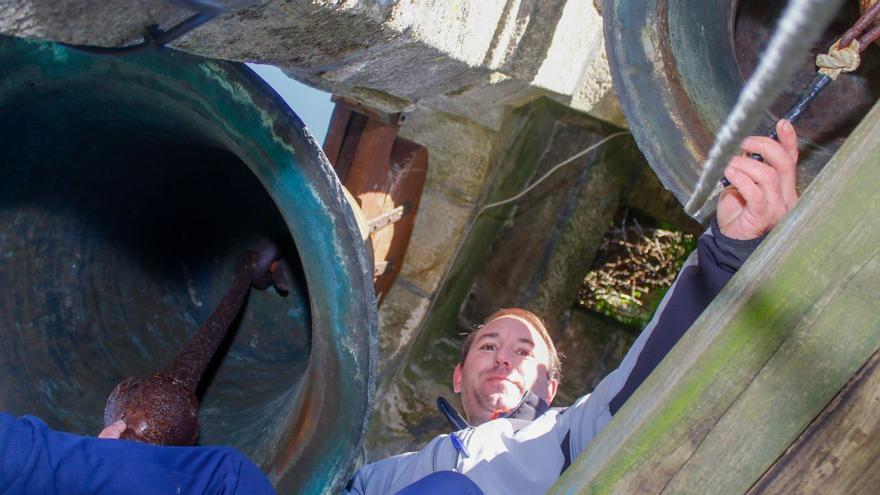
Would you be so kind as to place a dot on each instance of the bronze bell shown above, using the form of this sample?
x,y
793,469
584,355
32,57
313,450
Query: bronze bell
x,y
678,67
130,186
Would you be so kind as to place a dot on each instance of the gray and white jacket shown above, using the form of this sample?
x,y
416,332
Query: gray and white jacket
x,y
505,457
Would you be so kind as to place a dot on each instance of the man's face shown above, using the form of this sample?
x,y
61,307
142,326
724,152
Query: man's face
x,y
506,358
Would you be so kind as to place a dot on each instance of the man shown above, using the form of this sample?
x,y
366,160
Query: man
x,y
509,368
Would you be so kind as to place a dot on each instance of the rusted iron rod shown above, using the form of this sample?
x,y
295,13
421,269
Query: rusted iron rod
x,y
162,408
805,99
257,268
870,37
860,25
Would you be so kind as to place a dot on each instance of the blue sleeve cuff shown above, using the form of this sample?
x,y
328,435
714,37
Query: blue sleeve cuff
x,y
36,459
739,249
16,446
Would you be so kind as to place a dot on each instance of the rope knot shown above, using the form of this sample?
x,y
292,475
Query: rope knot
x,y
839,60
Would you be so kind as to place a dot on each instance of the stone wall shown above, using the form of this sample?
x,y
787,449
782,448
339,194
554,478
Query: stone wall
x,y
460,157
470,58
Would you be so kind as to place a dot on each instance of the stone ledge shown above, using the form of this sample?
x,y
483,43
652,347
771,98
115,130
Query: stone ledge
x,y
491,54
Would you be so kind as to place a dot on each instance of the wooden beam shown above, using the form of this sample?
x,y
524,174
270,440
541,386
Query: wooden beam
x,y
336,131
840,451
773,349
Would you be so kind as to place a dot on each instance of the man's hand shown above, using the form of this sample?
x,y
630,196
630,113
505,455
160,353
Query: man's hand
x,y
113,431
760,194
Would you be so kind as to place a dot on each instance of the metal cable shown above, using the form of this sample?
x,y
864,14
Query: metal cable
x,y
204,6
487,207
545,176
800,25
156,38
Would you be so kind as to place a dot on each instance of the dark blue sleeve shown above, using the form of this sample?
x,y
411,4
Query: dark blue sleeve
x,y
35,459
718,258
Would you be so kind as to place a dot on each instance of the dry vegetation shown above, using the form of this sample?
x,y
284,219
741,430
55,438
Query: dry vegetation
x,y
633,269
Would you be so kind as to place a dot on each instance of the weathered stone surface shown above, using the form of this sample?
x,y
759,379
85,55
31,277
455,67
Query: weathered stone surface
x,y
390,54
399,317
571,31
595,91
592,347
439,228
579,227
460,155
405,414
487,102
460,152
544,250
86,22
524,142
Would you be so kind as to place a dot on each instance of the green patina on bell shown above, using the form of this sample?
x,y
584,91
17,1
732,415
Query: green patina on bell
x,y
129,187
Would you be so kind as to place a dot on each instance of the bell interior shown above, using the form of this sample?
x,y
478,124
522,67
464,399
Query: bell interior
x,y
121,220
842,104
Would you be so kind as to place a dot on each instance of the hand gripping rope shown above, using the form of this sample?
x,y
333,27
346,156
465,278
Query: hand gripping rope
x,y
801,24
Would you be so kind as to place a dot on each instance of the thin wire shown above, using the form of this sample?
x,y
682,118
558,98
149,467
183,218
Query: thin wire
x,y
548,174
511,199
801,24
206,6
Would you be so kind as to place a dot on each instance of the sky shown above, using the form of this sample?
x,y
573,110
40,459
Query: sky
x,y
313,106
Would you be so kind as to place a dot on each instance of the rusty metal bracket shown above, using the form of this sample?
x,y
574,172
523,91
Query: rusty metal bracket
x,y
389,217
384,173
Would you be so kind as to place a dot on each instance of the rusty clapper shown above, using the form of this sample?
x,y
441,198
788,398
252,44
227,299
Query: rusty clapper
x,y
162,408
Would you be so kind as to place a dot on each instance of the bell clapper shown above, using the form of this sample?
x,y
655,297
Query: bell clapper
x,y
162,408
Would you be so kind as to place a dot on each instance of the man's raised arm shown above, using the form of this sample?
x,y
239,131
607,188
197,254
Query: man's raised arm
x,y
759,196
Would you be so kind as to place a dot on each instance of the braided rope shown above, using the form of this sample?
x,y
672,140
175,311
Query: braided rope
x,y
839,60
798,28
